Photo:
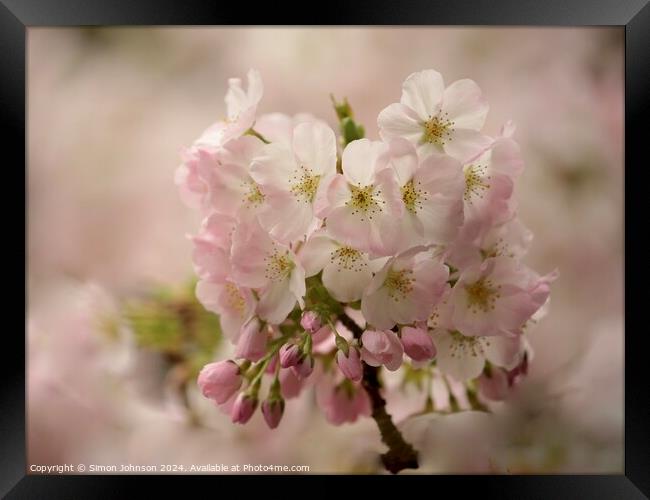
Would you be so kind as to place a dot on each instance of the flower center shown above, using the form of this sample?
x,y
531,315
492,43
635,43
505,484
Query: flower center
x,y
348,258
437,130
498,249
463,346
278,266
399,283
304,185
475,182
235,299
363,200
481,295
412,196
254,197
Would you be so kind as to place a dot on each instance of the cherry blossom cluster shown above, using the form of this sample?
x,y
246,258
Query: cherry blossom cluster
x,y
414,238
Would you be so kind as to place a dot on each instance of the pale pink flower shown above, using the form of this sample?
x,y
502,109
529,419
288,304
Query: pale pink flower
x,y
463,357
342,403
294,180
289,355
346,270
234,305
310,321
241,108
480,239
364,202
438,119
418,344
489,182
211,254
497,297
432,194
382,347
350,365
260,262
243,408
252,341
232,189
273,409
405,290
219,381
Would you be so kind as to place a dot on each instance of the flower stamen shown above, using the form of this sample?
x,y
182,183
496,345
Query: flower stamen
x,y
304,184
437,129
482,296
399,284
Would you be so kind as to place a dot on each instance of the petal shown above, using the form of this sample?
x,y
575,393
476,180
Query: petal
x,y
398,120
250,246
316,253
274,166
349,227
275,127
346,283
338,191
297,284
241,151
504,351
276,302
255,87
208,294
458,357
423,92
375,341
286,217
376,308
360,159
465,144
465,105
506,158
315,146
403,159
229,188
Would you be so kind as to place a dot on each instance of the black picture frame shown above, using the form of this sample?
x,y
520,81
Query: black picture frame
x,y
16,16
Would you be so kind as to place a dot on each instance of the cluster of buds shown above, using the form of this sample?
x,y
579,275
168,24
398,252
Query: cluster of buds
x,y
322,256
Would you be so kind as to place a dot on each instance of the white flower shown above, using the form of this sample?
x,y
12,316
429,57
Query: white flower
x,y
436,118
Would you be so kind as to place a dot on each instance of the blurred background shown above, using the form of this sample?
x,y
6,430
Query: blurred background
x,y
111,362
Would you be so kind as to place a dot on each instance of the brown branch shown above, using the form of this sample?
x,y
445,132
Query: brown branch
x,y
400,455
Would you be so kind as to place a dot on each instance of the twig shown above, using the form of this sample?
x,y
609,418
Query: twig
x,y
400,455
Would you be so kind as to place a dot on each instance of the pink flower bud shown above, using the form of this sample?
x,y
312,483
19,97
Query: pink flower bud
x,y
495,387
243,409
310,321
350,365
291,385
382,347
219,381
304,367
289,355
252,341
272,409
418,344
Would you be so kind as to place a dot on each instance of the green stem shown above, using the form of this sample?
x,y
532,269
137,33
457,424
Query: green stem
x,y
255,133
